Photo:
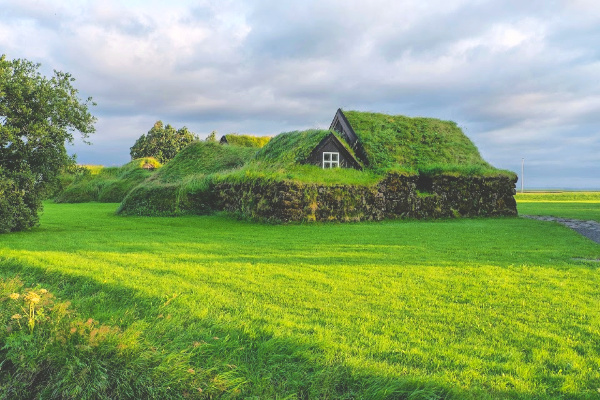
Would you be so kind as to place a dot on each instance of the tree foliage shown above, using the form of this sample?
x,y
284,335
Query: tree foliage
x,y
38,115
162,142
212,137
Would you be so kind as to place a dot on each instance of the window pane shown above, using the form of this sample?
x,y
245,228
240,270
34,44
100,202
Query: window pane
x,y
335,156
326,156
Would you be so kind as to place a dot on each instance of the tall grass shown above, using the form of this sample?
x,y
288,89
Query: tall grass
x,y
482,308
107,184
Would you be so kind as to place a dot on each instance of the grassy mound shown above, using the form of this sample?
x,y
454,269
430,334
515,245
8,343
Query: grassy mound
x,y
201,158
247,140
107,185
418,147
172,189
396,142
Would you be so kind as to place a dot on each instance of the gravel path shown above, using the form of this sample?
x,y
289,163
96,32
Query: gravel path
x,y
589,229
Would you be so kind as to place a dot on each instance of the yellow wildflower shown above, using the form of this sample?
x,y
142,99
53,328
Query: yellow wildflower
x,y
16,316
14,296
43,291
32,297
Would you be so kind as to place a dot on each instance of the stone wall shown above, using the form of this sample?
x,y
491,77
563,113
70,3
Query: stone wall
x,y
396,196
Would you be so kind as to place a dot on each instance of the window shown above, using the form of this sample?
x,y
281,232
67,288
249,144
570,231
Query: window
x,y
331,160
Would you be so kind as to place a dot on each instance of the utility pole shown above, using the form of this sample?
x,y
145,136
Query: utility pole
x,y
522,175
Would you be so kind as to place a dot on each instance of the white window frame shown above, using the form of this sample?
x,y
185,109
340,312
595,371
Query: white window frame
x,y
331,159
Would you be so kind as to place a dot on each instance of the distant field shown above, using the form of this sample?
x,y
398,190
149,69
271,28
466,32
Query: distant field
x,y
578,205
453,309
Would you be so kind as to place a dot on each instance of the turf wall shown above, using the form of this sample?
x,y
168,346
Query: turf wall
x,y
396,196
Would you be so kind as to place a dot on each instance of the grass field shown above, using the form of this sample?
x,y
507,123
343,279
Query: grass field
x,y
477,308
577,205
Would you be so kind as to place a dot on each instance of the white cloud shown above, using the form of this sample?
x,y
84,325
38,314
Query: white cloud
x,y
520,77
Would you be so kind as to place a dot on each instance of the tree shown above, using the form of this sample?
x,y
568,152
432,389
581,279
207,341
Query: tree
x,y
212,137
162,142
37,117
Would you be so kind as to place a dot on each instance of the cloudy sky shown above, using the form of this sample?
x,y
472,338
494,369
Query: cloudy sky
x,y
522,78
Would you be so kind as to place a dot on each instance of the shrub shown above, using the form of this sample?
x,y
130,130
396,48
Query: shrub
x,y
19,202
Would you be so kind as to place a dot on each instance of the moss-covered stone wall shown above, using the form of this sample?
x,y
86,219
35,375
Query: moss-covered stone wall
x,y
396,196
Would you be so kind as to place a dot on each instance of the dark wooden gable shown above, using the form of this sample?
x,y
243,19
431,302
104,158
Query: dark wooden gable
x,y
341,125
223,140
332,144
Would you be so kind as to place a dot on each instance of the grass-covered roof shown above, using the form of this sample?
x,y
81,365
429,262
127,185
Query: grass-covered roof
x,y
247,140
400,142
204,158
291,147
284,157
294,147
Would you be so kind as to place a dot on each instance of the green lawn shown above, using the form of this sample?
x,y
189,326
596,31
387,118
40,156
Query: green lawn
x,y
474,308
577,205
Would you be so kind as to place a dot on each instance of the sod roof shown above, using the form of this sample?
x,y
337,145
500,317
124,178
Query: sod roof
x,y
295,147
246,140
204,158
399,142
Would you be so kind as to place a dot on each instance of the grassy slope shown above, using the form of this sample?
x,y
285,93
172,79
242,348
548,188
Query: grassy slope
x,y
107,184
201,158
577,205
417,144
165,194
482,308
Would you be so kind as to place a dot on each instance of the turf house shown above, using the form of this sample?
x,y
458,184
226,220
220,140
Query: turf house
x,y
408,168
367,166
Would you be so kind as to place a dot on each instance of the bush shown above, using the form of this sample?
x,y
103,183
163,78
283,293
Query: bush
x,y
19,203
